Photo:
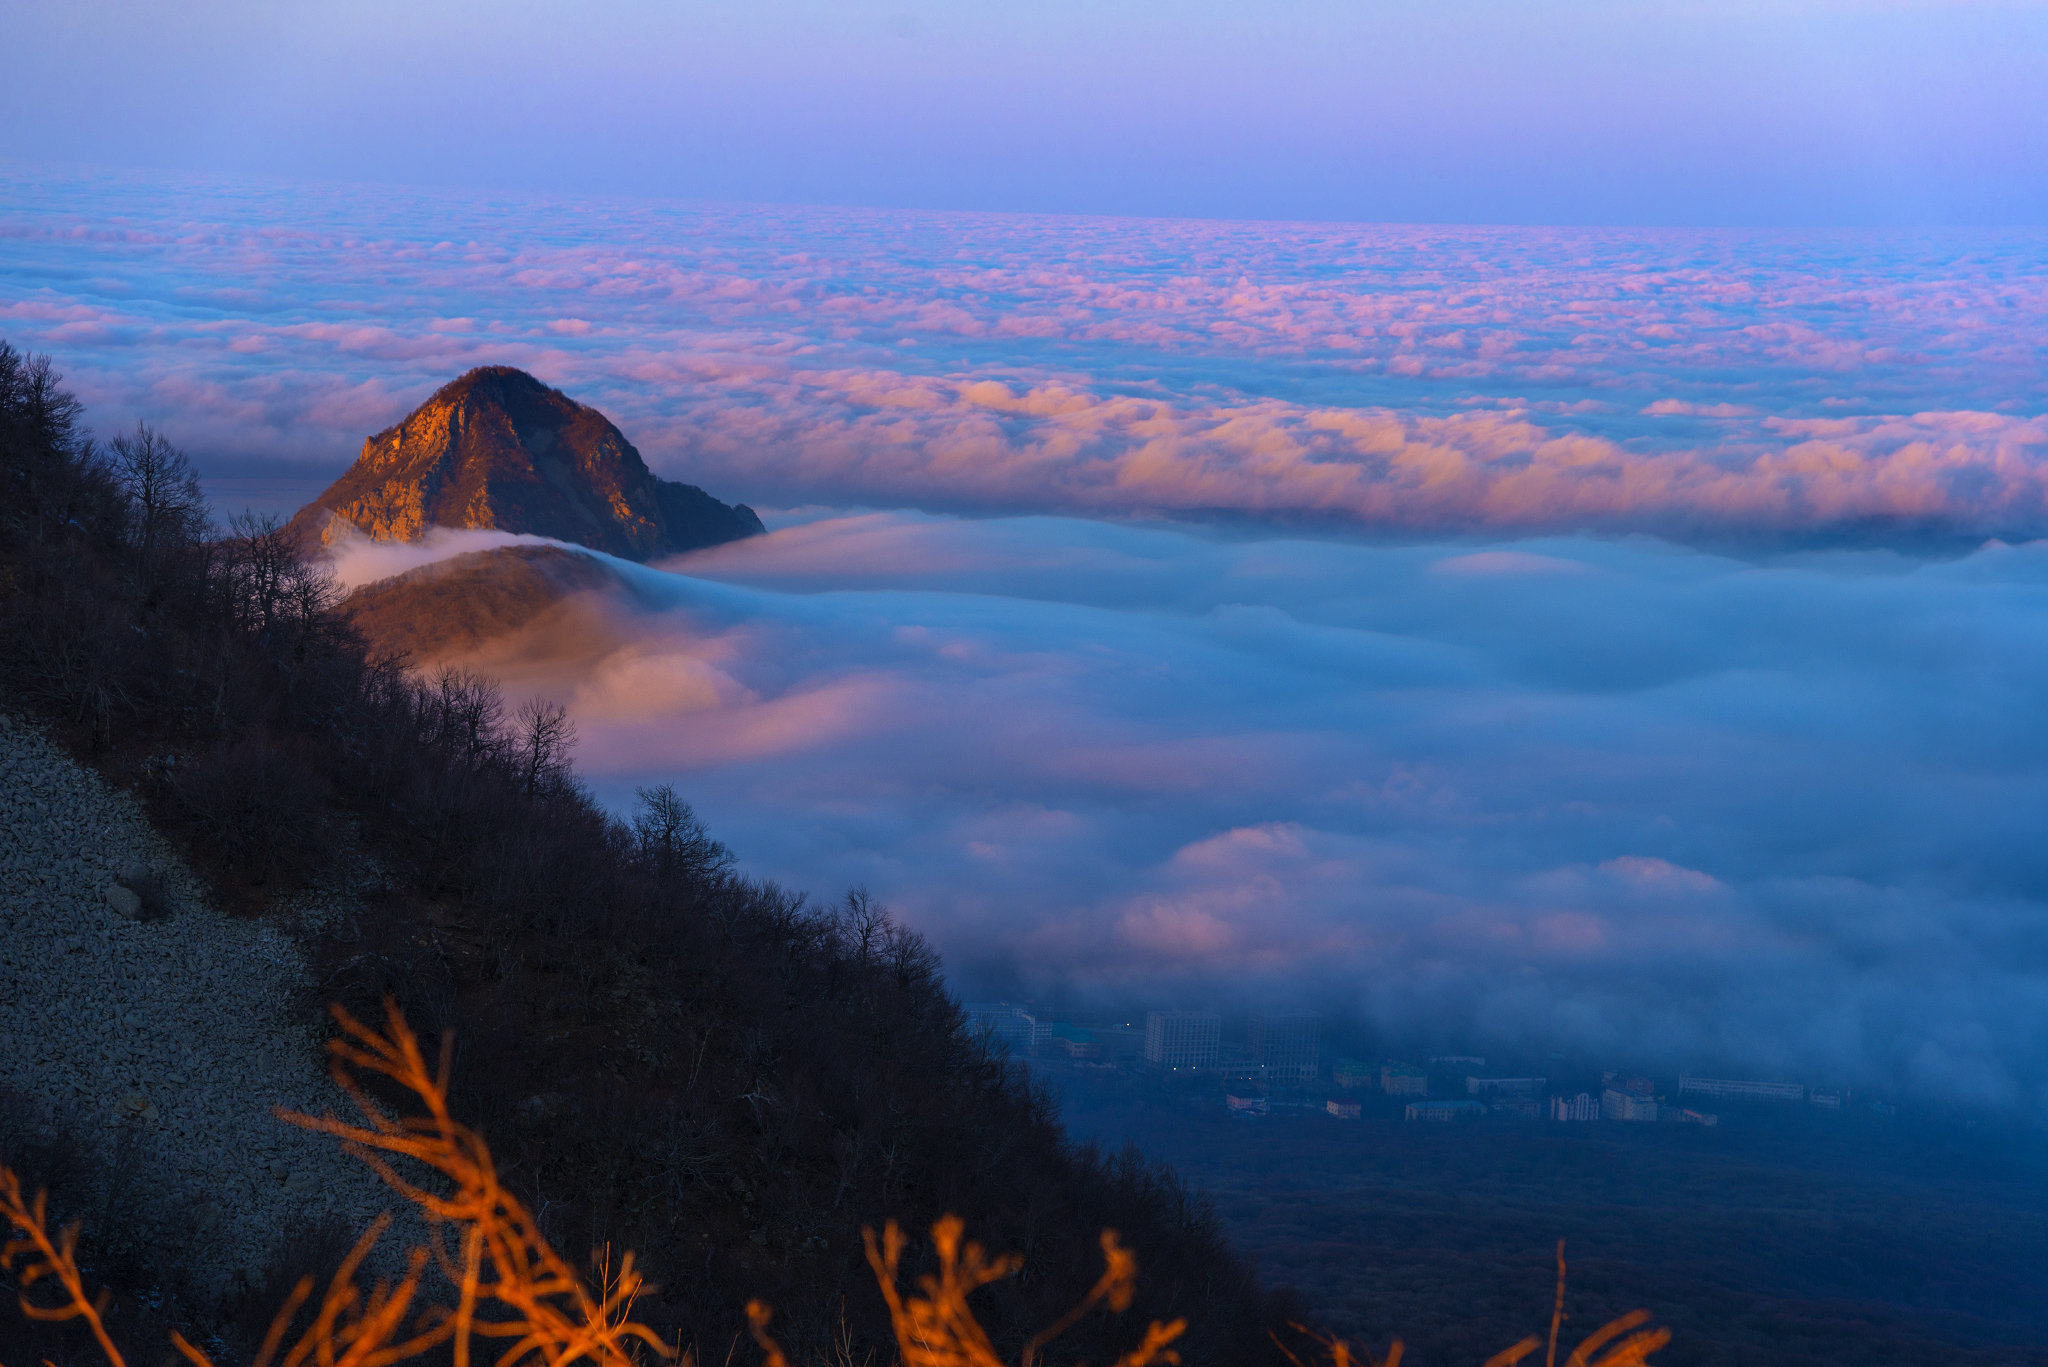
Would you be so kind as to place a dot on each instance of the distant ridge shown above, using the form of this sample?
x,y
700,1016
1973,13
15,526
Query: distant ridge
x,y
463,603
499,450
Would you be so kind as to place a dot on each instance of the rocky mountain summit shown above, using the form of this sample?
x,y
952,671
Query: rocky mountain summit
x,y
499,450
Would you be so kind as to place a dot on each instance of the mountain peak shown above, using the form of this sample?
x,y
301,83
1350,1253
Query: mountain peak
x,y
498,449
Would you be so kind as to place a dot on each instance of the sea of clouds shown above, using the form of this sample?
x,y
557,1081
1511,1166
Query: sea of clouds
x,y
1624,642
1612,796
1365,378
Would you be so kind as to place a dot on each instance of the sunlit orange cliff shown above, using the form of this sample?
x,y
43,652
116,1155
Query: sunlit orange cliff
x,y
497,449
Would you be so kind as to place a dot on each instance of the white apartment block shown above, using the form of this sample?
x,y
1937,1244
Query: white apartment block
x,y
1183,1041
1580,1107
1743,1090
1288,1048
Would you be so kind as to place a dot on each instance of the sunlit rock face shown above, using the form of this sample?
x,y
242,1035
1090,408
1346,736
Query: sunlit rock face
x,y
499,450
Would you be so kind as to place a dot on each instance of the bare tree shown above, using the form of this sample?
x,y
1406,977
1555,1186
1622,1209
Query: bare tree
x,y
49,465
168,511
468,715
256,565
674,838
545,736
864,926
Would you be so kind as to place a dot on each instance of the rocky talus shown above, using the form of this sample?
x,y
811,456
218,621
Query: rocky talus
x,y
161,1043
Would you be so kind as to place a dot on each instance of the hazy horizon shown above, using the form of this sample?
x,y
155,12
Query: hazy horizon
x,y
1803,112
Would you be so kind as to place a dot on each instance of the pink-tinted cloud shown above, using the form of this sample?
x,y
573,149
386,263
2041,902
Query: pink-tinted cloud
x,y
1376,378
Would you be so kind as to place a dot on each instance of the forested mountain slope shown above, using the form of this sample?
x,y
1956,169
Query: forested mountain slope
x,y
725,1075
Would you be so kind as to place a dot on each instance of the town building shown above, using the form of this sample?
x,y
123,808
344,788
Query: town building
x,y
1244,1105
1631,1083
1183,1041
1403,1079
1456,1061
1120,1042
1825,1098
1012,1024
1445,1110
1351,1072
1741,1089
1504,1086
1070,1040
1692,1117
1288,1046
1343,1107
1618,1105
1580,1107
1520,1107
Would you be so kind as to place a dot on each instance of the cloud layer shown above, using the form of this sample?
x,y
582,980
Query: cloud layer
x,y
1489,777
1612,796
1420,380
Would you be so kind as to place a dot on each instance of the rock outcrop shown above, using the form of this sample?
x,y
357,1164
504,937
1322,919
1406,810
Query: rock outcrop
x,y
499,450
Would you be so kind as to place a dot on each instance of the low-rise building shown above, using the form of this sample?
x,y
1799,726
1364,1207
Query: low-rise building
x,y
1456,1061
1580,1107
1742,1089
1826,1098
1617,1105
1245,1105
1072,1041
1351,1072
1459,1109
1692,1117
1520,1107
1403,1079
1504,1086
1120,1042
1343,1107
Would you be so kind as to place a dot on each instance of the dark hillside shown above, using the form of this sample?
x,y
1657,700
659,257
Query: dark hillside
x,y
456,605
719,1073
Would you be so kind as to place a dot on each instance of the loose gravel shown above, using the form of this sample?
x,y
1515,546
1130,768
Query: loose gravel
x,y
168,1040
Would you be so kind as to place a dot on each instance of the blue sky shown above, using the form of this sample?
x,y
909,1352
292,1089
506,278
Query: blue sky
x,y
1589,111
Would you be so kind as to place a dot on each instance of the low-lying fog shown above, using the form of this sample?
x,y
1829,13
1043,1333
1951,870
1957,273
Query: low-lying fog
x,y
1611,795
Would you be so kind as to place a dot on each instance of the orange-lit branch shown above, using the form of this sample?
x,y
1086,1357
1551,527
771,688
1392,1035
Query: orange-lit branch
x,y
41,1257
938,1329
1633,1350
1338,1350
505,1261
